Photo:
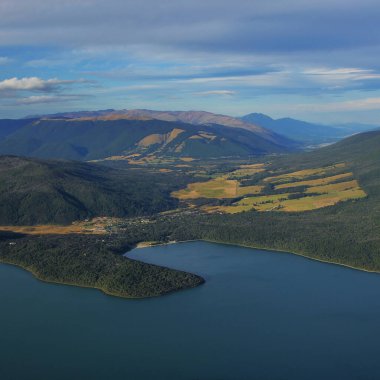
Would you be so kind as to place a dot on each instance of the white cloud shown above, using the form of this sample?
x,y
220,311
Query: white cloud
x,y
34,84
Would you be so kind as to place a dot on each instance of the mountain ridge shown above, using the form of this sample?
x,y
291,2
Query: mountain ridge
x,y
306,132
94,138
189,117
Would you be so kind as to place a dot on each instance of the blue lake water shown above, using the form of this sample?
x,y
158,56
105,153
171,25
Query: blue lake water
x,y
260,315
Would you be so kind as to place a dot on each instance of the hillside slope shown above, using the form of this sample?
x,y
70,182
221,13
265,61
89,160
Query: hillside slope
x,y
10,126
42,192
83,139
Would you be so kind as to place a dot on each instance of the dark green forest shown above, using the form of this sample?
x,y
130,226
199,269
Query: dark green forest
x,y
36,191
92,261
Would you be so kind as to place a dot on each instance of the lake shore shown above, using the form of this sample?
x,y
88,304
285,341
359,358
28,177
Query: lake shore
x,y
150,244
102,290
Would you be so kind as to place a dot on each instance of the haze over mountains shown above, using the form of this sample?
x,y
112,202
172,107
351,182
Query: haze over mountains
x,y
307,133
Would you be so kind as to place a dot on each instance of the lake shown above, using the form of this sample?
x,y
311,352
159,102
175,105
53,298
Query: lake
x,y
260,315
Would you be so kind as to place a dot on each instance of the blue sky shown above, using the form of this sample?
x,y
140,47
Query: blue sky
x,y
314,60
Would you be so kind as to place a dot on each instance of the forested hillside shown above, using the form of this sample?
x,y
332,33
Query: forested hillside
x,y
83,139
36,191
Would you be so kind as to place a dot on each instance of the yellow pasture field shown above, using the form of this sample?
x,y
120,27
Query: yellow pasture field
x,y
156,138
315,182
208,136
151,140
187,159
280,202
164,170
174,134
258,200
331,195
319,201
301,174
244,190
218,188
215,188
245,170
258,203
320,192
340,186
262,203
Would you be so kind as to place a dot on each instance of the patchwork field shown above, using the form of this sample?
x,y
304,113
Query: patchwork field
x,y
306,173
296,191
340,186
218,188
315,182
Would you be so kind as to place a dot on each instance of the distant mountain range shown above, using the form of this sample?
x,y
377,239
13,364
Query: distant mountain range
x,y
138,133
188,117
303,132
307,133
94,135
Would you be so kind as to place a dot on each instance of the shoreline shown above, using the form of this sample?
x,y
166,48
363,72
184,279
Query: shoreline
x,y
151,244
101,290
274,250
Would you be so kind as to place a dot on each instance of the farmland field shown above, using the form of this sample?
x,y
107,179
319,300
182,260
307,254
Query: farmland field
x,y
217,188
315,182
297,191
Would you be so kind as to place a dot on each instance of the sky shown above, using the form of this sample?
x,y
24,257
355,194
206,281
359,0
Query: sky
x,y
316,60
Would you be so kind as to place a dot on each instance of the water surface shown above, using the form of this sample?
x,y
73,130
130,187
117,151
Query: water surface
x,y
260,315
